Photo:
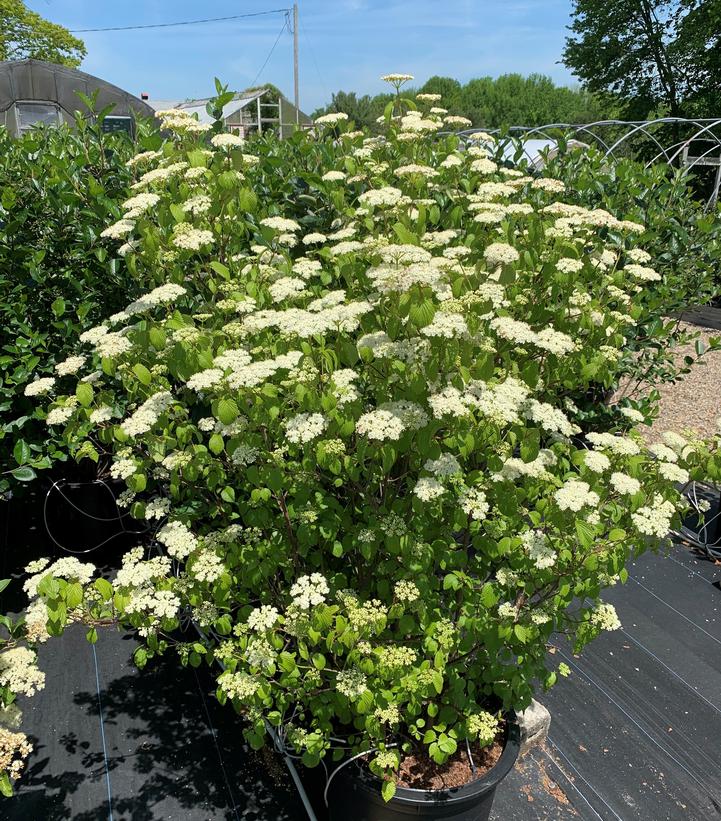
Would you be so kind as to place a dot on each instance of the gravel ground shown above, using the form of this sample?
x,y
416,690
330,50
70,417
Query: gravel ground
x,y
693,402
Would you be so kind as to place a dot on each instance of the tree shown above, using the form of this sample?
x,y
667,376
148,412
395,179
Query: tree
x,y
510,99
699,46
657,56
24,34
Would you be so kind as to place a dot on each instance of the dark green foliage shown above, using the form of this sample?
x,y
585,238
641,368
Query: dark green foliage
x,y
658,57
24,33
510,99
58,191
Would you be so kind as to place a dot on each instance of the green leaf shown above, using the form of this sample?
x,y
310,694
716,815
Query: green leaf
x,y
521,632
421,314
227,411
6,787
24,474
73,595
58,306
488,596
92,635
4,583
221,269
388,790
84,393
585,532
142,373
177,212
105,589
216,444
247,200
157,338
22,452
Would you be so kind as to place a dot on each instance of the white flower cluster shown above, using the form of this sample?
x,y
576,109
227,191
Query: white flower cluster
x,y
604,617
483,726
162,295
139,204
333,118
514,467
239,686
535,543
473,503
521,333
157,508
262,618
380,425
445,465
59,415
386,197
19,671
111,345
70,366
304,427
352,682
406,591
118,229
428,489
625,485
188,238
68,568
178,540
596,461
280,224
226,140
137,572
40,387
207,566
654,519
576,494
619,445
446,325
309,591
147,414
287,288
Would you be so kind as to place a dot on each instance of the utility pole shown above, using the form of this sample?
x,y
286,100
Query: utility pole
x,y
295,62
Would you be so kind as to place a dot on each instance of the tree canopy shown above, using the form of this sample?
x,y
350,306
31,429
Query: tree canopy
x,y
25,34
659,57
510,99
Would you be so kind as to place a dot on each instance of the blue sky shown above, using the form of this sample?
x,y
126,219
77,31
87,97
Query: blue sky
x,y
344,44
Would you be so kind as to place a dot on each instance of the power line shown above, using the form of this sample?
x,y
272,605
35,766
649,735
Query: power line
x,y
315,62
270,53
182,22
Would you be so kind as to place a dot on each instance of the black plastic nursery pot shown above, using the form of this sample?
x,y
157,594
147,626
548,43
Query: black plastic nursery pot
x,y
82,516
354,793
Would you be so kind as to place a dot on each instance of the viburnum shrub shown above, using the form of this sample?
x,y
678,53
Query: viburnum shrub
x,y
346,412
20,675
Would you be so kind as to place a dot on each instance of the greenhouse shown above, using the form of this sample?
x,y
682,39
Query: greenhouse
x,y
33,91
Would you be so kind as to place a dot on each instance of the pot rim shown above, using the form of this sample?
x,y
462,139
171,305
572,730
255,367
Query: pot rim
x,y
471,789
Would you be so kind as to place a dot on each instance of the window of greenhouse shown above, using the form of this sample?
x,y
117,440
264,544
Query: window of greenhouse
x,y
30,114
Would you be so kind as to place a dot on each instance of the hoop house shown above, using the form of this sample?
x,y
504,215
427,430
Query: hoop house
x,y
34,92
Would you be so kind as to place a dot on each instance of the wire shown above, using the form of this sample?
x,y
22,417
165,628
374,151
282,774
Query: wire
x,y
270,53
182,22
307,42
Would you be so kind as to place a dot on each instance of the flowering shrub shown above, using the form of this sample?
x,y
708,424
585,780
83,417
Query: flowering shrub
x,y
19,674
683,238
346,408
